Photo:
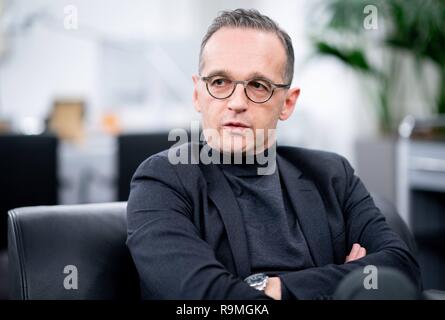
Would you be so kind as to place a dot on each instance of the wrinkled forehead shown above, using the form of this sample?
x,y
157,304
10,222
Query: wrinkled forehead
x,y
243,52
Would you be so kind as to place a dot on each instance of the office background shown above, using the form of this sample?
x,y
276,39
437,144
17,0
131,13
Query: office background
x,y
104,75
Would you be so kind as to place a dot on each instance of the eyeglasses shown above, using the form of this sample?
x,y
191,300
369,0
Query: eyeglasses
x,y
257,90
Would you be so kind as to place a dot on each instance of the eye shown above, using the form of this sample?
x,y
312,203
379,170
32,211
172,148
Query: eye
x,y
259,85
219,82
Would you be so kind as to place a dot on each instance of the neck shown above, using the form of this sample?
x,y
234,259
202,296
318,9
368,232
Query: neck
x,y
261,159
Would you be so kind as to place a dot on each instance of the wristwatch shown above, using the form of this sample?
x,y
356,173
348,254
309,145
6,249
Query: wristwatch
x,y
257,281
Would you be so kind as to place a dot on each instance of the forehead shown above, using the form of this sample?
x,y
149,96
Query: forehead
x,y
243,52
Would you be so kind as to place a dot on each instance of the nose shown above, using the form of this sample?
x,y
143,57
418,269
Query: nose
x,y
238,100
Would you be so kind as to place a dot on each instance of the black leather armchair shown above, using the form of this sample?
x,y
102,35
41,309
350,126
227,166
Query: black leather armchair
x,y
44,240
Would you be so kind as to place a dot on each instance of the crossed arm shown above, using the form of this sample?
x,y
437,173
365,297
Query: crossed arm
x,y
273,288
365,227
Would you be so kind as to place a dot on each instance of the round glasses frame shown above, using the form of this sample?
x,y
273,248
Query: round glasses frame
x,y
245,83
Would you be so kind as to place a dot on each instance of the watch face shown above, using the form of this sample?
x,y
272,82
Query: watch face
x,y
256,279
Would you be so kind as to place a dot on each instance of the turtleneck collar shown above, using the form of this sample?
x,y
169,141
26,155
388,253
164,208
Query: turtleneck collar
x,y
243,165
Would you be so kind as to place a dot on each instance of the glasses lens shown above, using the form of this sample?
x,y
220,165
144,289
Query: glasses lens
x,y
259,90
220,87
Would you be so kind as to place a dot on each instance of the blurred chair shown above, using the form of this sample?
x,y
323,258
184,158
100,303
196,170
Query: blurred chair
x,y
70,252
28,170
392,285
396,222
91,237
132,150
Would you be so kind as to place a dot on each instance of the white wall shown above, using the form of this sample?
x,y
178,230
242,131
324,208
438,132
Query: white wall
x,y
47,61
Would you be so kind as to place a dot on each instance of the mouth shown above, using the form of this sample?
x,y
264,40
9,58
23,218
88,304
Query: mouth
x,y
235,126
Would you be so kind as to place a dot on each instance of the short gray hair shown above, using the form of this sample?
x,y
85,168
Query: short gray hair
x,y
251,19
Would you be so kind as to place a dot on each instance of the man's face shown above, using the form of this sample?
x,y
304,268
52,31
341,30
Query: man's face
x,y
243,54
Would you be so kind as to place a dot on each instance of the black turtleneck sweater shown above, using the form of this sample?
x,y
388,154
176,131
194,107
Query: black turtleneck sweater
x,y
275,241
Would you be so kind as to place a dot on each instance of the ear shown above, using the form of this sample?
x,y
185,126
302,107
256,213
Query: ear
x,y
289,103
195,79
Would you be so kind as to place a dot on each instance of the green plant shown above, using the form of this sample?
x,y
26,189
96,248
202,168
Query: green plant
x,y
416,27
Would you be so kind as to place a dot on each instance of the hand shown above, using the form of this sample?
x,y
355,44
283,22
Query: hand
x,y
357,252
273,288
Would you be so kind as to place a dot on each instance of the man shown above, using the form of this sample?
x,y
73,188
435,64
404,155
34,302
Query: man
x,y
223,231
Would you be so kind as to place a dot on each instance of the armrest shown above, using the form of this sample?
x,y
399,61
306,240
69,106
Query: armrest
x,y
433,294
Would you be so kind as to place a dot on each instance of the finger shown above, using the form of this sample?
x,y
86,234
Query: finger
x,y
354,251
357,252
361,253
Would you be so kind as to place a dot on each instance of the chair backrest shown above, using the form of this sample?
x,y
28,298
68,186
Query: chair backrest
x,y
132,150
396,222
70,252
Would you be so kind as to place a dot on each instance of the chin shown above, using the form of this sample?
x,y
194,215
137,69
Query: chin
x,y
235,149
238,145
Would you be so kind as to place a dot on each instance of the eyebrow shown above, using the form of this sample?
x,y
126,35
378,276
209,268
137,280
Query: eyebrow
x,y
226,73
